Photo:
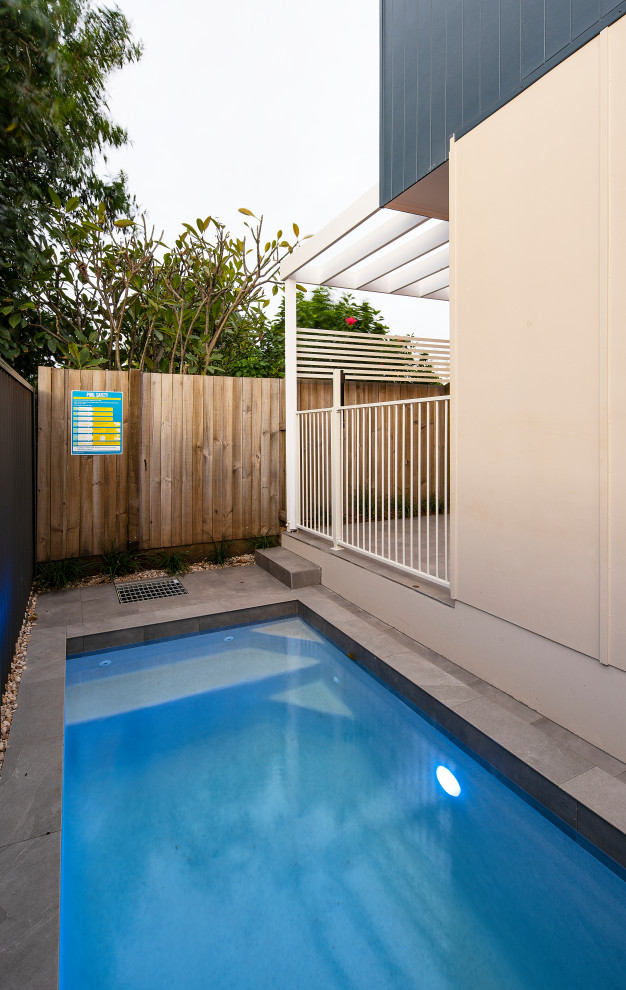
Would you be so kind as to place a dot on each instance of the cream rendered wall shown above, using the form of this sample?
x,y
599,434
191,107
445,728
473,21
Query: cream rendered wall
x,y
537,238
616,346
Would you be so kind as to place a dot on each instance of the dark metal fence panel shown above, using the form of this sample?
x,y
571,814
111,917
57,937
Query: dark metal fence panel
x,y
448,64
16,509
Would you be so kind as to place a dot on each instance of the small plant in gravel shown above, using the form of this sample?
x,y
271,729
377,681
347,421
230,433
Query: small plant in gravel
x,y
263,542
119,563
220,552
172,561
52,575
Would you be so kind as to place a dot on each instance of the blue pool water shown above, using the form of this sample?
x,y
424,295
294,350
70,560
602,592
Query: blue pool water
x,y
249,809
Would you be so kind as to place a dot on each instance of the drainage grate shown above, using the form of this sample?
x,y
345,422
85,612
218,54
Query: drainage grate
x,y
144,591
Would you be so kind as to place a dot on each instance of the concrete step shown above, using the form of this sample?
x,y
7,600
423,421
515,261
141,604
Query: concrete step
x,y
288,567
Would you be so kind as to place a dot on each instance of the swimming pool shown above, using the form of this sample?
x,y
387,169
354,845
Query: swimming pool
x,y
249,808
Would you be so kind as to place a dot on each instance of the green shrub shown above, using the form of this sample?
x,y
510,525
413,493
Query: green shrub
x,y
263,541
119,563
221,551
172,561
56,574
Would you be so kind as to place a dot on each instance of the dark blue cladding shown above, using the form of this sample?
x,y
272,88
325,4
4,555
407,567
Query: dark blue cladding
x,y
448,64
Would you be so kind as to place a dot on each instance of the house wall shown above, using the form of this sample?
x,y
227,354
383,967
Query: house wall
x,y
446,65
17,531
538,198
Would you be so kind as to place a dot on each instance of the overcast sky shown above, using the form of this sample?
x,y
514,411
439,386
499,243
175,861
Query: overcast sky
x,y
257,105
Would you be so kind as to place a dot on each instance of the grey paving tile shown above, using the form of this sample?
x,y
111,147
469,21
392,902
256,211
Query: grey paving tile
x,y
39,713
383,644
31,791
98,592
43,668
621,777
251,599
59,615
524,741
191,610
49,599
602,794
596,756
29,913
465,676
505,701
46,643
108,624
289,568
438,683
94,611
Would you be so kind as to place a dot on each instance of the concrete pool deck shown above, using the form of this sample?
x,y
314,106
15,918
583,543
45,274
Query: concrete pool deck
x,y
581,785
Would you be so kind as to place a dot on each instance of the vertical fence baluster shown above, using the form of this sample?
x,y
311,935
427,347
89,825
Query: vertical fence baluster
x,y
376,480
389,481
395,479
446,517
369,475
428,568
419,486
437,459
411,469
345,522
404,408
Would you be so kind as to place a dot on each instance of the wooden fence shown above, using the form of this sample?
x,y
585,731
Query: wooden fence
x,y
318,393
203,458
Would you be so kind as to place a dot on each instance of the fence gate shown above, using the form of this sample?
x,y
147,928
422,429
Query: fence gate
x,y
374,477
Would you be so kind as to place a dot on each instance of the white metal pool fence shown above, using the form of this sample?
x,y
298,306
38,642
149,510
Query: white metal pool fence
x,y
375,478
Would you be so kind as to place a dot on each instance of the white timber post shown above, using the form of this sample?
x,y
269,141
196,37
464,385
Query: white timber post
x,y
335,460
292,450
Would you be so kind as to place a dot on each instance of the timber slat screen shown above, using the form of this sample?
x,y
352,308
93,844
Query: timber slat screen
x,y
16,509
201,461
370,356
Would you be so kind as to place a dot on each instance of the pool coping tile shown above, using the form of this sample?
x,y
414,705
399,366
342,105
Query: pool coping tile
x,y
505,736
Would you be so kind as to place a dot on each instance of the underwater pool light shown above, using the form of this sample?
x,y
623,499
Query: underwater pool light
x,y
448,781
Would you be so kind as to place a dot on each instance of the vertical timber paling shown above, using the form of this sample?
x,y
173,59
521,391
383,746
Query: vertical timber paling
x,y
201,459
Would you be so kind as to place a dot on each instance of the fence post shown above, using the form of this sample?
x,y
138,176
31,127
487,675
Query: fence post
x,y
292,442
336,485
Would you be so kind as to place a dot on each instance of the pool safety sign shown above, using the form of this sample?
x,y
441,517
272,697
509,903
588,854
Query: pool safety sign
x,y
96,422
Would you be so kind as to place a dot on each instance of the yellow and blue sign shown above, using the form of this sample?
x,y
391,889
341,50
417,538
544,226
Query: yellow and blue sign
x,y
97,422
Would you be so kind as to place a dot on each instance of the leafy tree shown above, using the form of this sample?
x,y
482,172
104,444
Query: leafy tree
x,y
252,347
55,59
323,311
110,294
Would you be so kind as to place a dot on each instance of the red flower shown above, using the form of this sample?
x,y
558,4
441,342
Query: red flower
x,y
351,320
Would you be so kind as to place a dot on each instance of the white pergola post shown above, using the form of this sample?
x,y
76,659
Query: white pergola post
x,y
336,480
291,405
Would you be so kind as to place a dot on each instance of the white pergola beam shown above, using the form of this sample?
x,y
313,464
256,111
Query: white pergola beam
x,y
426,286
361,210
398,270
434,261
326,271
